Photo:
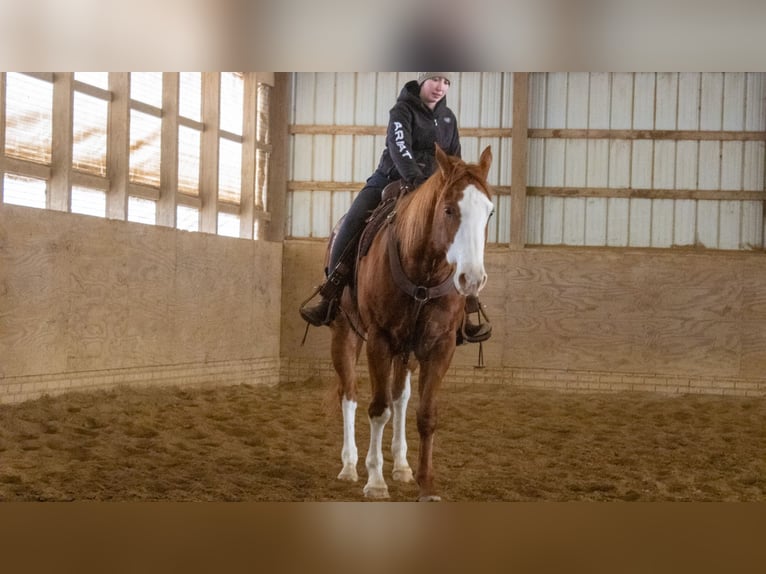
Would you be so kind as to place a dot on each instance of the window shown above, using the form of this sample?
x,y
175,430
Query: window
x,y
230,146
28,112
229,171
228,224
121,159
188,160
142,210
28,191
88,201
145,132
190,96
187,218
146,87
263,141
97,79
89,138
232,102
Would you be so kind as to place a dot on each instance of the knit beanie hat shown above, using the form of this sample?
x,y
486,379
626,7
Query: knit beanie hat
x,y
423,76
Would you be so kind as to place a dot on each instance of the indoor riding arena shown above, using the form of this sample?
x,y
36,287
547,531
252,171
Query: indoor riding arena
x,y
159,231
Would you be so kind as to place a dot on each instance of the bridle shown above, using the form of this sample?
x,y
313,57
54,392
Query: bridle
x,y
420,293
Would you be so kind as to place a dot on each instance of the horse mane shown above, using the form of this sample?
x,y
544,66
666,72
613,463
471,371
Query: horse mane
x,y
414,218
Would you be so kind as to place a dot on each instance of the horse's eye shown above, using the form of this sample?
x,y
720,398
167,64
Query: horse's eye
x,y
491,213
449,211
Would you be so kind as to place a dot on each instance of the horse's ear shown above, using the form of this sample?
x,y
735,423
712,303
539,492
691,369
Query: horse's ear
x,y
442,160
485,161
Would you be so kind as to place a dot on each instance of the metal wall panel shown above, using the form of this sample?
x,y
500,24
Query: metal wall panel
x,y
338,100
593,210
468,108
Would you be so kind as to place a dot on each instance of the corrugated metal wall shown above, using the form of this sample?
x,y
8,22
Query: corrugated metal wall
x,y
614,159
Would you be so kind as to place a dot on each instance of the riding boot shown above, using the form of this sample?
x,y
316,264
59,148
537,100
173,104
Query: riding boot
x,y
323,312
470,332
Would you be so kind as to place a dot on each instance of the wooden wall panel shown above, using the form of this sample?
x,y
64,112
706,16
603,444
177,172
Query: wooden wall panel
x,y
33,273
84,294
630,312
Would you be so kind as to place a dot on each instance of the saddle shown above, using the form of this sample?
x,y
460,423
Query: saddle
x,y
373,224
378,218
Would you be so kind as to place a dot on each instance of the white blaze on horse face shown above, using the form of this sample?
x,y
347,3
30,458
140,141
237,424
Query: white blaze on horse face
x,y
467,249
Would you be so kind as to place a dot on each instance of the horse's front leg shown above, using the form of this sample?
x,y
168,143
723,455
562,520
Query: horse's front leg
x,y
379,364
349,454
401,396
345,348
432,372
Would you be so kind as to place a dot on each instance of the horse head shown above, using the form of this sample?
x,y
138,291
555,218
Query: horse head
x,y
462,214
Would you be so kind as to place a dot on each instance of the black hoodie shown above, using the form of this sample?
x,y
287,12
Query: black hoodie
x,y
413,129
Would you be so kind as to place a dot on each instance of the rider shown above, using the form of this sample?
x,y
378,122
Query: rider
x,y
419,119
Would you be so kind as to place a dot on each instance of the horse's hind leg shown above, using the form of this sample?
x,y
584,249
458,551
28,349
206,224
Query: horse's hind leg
x,y
401,396
346,346
379,363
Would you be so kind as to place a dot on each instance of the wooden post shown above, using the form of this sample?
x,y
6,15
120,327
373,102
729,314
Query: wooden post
x,y
247,197
61,151
166,206
118,146
519,153
208,177
277,185
2,134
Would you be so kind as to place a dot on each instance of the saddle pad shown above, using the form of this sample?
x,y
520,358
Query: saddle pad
x,y
374,224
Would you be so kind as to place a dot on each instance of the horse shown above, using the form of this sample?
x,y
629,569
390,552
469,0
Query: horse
x,y
408,297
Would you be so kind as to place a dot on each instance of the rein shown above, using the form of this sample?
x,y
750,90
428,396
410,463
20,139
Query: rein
x,y
420,293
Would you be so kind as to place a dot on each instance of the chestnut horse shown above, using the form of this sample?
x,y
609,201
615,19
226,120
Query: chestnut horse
x,y
410,295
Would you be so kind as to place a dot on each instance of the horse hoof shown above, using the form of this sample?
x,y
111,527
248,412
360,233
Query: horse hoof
x,y
376,492
348,474
430,498
403,475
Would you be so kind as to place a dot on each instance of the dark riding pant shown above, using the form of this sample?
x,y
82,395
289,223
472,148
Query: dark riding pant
x,y
364,203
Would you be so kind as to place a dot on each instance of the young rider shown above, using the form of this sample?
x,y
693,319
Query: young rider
x,y
419,120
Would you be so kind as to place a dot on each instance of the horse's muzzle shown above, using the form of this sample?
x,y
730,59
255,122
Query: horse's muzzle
x,y
470,283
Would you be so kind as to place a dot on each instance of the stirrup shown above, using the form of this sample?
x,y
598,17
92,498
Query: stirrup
x,y
332,307
484,329
331,311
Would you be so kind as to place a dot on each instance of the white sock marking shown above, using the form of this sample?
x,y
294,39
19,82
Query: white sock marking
x,y
374,460
399,441
349,455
